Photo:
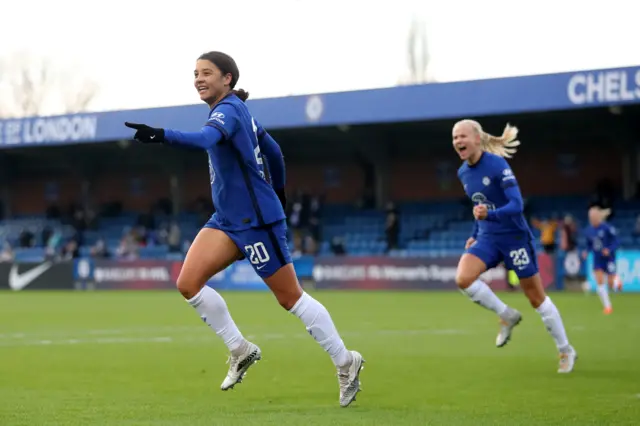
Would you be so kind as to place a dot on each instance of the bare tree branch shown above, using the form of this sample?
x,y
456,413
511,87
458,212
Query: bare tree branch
x,y
35,86
79,100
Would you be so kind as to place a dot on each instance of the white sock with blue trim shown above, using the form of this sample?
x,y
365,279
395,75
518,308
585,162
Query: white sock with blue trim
x,y
320,326
481,293
603,292
214,312
553,321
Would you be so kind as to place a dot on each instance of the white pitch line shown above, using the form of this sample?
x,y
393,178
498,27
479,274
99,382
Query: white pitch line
x,y
115,340
51,334
132,330
209,337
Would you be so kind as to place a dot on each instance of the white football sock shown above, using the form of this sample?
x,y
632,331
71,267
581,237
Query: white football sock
x,y
482,294
213,311
320,325
552,320
603,292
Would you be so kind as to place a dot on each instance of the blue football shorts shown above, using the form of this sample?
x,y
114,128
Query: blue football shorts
x,y
605,264
265,248
518,254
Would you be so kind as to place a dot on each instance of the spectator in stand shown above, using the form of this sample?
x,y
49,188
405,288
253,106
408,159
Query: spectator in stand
x,y
99,250
79,222
70,250
309,245
27,239
315,214
568,238
6,255
53,244
297,245
174,237
295,213
392,227
547,228
337,247
129,245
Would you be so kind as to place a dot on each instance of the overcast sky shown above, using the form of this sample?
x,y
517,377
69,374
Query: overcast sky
x,y
142,53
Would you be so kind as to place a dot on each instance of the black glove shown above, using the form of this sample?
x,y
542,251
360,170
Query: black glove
x,y
283,198
146,134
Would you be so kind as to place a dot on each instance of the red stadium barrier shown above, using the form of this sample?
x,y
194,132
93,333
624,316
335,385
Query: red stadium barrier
x,y
125,275
387,273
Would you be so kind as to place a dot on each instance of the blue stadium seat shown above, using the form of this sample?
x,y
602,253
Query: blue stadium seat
x,y
153,252
34,254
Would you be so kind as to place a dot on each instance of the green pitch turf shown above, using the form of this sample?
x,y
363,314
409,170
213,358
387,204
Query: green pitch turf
x,y
145,358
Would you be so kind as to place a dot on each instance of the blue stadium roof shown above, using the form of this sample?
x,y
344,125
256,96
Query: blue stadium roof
x,y
550,92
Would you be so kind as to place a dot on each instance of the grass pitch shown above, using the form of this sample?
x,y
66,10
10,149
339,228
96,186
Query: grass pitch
x,y
146,358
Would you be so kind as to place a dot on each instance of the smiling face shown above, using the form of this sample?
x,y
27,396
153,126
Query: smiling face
x,y
466,141
209,81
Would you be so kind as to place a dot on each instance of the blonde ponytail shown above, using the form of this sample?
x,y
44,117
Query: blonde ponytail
x,y
603,213
504,146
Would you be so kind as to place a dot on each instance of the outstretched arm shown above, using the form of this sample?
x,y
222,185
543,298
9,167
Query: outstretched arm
x,y
221,125
206,138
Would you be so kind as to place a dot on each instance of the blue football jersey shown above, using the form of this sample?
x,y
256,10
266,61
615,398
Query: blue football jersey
x,y
485,183
601,237
241,194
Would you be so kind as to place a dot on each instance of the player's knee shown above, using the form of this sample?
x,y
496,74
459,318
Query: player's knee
x,y
187,286
288,299
464,280
285,287
536,300
536,297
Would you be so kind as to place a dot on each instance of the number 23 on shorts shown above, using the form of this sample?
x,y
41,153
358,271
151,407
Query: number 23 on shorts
x,y
522,262
519,257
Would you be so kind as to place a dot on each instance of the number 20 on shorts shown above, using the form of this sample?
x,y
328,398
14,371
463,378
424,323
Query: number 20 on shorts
x,y
257,253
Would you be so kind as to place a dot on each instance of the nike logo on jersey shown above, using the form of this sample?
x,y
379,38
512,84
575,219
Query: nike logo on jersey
x,y
260,267
19,281
152,137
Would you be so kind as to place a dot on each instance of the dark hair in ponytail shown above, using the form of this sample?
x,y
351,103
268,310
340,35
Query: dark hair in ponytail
x,y
227,65
242,94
